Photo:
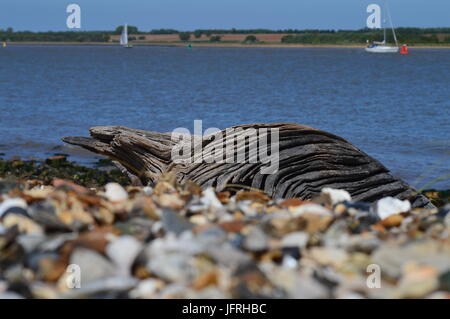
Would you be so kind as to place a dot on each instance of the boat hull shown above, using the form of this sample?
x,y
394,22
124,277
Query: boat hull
x,y
382,49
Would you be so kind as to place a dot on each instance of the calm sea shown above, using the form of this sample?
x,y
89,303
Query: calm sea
x,y
396,108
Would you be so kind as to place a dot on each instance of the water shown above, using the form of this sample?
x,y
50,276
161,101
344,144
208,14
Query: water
x,y
396,108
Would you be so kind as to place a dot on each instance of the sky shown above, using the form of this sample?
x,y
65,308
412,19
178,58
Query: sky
x,y
50,15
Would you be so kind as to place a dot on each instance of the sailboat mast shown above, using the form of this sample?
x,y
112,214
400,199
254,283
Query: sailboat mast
x,y
384,22
392,25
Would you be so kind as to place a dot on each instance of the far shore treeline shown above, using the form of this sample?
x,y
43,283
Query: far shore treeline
x,y
405,35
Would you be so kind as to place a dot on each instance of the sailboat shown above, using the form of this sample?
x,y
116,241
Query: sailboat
x,y
124,37
383,47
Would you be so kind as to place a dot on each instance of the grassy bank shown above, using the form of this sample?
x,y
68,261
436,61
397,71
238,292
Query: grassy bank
x,y
45,171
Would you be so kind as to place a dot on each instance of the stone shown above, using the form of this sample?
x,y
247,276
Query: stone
x,y
364,220
210,200
7,186
174,223
391,206
45,214
392,221
10,295
14,206
310,209
30,242
297,287
171,201
92,265
170,258
115,193
57,182
106,288
337,195
444,211
178,241
444,281
417,281
212,236
256,240
392,258
296,239
147,288
123,252
24,224
227,255
254,196
329,256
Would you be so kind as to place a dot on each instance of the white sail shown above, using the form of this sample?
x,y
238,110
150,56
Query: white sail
x,y
124,36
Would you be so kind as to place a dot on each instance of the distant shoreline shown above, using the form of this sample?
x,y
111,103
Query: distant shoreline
x,y
223,45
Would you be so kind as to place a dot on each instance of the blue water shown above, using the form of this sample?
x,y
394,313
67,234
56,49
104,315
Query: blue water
x,y
395,108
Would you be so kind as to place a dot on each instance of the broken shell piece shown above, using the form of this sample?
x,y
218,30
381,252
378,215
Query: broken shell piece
x,y
337,195
24,224
10,204
115,193
391,206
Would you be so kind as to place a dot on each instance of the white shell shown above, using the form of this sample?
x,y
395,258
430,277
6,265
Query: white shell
x,y
337,195
115,192
391,206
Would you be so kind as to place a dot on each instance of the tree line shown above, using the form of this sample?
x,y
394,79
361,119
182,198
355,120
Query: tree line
x,y
406,35
52,36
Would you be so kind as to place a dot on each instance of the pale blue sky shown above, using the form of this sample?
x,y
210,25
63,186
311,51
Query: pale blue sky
x,y
44,15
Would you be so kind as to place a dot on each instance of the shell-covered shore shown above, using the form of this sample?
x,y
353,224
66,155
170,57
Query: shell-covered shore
x,y
60,239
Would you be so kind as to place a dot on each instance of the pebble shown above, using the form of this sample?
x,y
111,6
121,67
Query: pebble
x,y
210,199
123,252
444,211
310,209
147,288
417,282
13,206
298,287
7,186
393,257
10,295
115,193
174,223
105,288
329,256
177,241
24,224
295,239
92,265
337,195
391,206
256,240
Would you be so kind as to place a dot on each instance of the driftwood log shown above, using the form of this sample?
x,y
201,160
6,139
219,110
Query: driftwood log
x,y
309,160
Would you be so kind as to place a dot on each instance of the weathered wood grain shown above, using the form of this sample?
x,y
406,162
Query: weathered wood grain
x,y
309,160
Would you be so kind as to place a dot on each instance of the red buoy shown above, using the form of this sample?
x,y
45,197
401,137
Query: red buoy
x,y
404,49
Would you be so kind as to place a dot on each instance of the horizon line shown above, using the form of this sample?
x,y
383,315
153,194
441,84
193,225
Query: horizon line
x,y
219,29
